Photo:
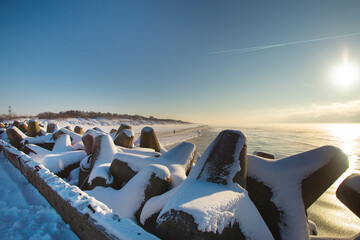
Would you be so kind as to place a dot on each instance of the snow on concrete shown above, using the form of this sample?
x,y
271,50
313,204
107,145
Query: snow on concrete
x,y
127,200
216,206
56,162
285,176
163,130
39,139
75,137
177,160
62,144
28,221
155,205
103,157
121,228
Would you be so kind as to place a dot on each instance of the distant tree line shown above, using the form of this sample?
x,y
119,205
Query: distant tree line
x,y
91,114
4,117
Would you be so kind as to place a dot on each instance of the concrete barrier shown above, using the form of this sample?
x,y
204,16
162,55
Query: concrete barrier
x,y
349,193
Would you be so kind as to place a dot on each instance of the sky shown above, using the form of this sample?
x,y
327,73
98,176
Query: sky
x,y
213,62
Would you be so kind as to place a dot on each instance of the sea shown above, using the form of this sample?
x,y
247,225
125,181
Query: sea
x,y
332,218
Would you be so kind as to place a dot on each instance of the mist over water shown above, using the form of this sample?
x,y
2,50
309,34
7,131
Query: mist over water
x,y
282,140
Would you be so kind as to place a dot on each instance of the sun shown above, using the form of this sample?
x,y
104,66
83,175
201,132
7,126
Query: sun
x,y
345,74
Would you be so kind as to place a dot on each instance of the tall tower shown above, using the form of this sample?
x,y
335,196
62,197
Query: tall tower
x,y
9,111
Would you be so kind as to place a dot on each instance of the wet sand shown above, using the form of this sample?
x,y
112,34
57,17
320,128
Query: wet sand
x,y
332,217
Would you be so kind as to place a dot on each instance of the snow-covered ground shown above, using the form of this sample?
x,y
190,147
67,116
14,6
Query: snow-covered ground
x,y
25,213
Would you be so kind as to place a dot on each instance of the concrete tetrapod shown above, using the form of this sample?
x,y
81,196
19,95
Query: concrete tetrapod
x,y
88,140
125,138
78,130
264,155
33,129
75,137
60,161
15,136
23,127
283,189
178,160
349,193
15,123
122,127
148,139
211,204
130,199
52,127
103,152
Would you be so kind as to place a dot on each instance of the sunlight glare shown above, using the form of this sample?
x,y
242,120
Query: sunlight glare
x,y
347,135
345,74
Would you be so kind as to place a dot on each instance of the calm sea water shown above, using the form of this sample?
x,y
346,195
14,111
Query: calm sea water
x,y
330,215
284,140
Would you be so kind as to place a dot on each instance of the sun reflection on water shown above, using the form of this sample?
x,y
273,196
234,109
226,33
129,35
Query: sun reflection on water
x,y
347,135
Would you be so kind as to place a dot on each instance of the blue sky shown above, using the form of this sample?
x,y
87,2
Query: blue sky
x,y
154,58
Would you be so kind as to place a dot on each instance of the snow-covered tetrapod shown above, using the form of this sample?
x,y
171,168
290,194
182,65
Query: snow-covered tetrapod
x,y
283,189
212,202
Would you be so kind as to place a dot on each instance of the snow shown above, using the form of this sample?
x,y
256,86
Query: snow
x,y
38,139
57,159
103,158
38,150
216,206
75,137
147,129
18,131
57,162
155,205
85,164
129,132
24,212
62,144
285,177
128,199
177,160
99,212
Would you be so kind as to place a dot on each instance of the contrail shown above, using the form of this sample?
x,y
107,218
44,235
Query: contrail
x,y
258,48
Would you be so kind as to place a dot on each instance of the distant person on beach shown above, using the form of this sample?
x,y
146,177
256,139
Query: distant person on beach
x,y
174,131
